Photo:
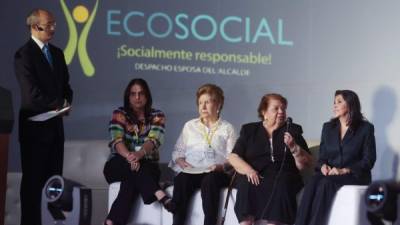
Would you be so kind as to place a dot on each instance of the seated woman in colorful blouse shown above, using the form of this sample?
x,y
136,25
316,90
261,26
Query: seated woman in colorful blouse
x,y
200,156
137,131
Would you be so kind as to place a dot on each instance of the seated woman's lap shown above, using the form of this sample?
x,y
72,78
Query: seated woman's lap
x,y
145,181
319,180
269,198
191,182
118,169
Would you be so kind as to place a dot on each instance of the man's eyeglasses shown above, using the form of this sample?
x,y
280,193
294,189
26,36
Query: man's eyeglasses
x,y
48,26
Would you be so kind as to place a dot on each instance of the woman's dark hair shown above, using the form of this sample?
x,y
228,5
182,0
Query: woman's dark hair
x,y
265,101
354,107
147,108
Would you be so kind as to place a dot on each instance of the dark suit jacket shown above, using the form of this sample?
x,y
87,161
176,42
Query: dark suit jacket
x,y
357,150
253,146
6,111
43,87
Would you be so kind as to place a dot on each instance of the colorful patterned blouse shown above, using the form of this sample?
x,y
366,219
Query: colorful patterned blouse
x,y
134,135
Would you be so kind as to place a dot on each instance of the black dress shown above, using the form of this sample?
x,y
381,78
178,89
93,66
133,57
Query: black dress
x,y
356,151
274,198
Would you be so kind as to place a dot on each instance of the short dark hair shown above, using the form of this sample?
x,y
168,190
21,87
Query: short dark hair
x,y
266,99
216,93
127,105
354,106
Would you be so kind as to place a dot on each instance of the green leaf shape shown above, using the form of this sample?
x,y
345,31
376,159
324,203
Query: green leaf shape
x,y
87,66
70,49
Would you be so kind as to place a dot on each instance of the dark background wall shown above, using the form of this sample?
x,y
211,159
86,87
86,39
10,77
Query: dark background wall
x,y
311,47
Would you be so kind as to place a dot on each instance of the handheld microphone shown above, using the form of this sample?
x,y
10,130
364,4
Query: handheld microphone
x,y
289,122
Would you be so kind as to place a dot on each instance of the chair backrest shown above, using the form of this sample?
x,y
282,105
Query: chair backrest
x,y
84,161
309,172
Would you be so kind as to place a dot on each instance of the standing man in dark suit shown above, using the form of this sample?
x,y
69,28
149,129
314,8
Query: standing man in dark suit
x,y
44,80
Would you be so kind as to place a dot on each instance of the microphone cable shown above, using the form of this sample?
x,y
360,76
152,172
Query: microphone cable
x,y
288,123
274,184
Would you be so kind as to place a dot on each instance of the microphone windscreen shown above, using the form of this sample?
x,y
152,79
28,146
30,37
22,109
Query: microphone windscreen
x,y
288,123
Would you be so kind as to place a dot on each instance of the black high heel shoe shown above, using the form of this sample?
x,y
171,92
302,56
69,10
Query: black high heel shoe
x,y
168,204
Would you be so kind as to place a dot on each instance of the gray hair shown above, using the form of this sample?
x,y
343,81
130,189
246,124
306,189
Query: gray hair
x,y
33,17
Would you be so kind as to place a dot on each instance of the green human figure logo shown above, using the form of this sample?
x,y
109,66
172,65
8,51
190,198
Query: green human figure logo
x,y
81,15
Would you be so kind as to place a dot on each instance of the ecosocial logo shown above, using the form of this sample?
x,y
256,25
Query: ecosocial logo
x,y
80,14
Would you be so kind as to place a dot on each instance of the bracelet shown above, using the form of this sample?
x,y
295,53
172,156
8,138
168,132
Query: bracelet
x,y
145,153
296,151
155,144
127,155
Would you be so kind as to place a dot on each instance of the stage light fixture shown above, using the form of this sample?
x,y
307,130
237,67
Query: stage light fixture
x,y
65,202
381,201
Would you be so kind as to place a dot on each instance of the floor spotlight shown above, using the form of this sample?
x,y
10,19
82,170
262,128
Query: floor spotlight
x,y
381,201
65,202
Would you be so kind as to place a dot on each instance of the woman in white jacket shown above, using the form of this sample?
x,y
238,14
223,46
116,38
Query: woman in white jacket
x,y
200,156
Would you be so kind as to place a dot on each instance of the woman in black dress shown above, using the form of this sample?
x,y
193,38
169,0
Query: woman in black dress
x,y
346,156
268,156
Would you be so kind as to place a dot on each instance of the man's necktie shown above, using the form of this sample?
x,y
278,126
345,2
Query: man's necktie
x,y
46,52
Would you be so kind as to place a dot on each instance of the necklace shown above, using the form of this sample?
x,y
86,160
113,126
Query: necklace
x,y
139,129
270,142
208,136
